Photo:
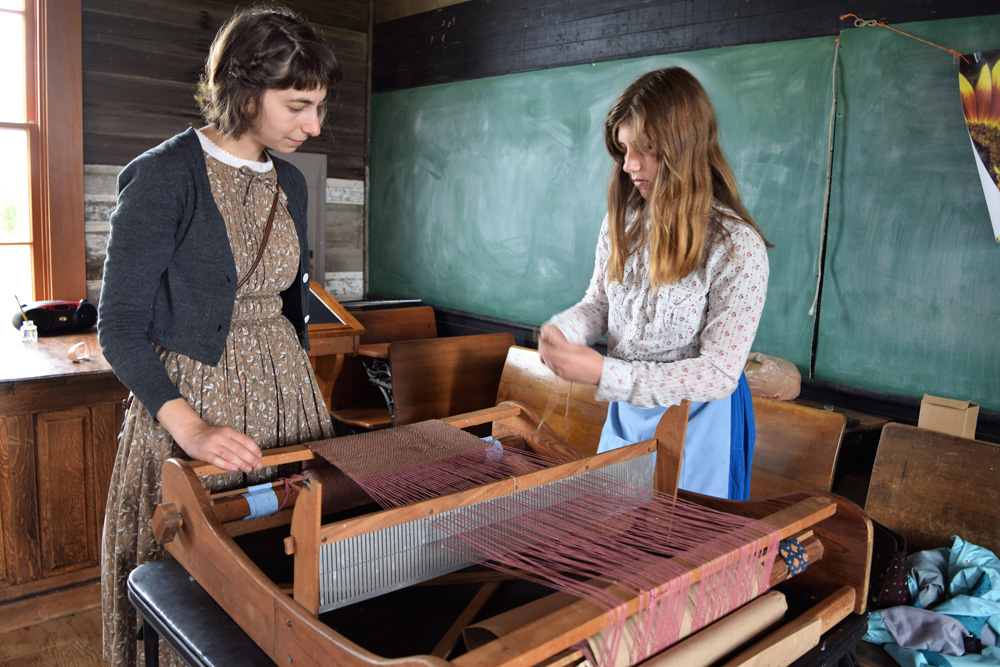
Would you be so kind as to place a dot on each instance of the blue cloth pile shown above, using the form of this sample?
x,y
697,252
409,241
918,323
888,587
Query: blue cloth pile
x,y
955,617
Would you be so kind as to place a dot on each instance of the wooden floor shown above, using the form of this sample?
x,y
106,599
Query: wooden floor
x,y
68,641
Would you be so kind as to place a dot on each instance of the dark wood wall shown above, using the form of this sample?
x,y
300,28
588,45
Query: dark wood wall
x,y
483,38
142,60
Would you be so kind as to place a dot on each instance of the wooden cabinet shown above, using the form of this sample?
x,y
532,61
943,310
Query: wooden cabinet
x,y
59,422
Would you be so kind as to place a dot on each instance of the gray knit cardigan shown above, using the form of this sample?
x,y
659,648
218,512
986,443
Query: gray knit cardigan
x,y
169,275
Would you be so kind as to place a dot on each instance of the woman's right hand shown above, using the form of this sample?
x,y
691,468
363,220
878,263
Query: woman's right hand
x,y
570,361
221,446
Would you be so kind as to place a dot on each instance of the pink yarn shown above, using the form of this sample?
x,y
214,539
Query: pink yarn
x,y
589,535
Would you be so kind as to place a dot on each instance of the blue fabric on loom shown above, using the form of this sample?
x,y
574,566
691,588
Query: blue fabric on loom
x,y
262,499
718,448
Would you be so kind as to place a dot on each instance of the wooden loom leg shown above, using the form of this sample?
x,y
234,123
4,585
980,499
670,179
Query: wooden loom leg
x,y
447,643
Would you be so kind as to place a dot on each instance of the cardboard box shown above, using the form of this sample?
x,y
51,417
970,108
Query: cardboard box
x,y
948,416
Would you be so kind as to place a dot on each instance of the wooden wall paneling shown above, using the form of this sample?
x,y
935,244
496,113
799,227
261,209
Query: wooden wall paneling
x,y
17,498
205,15
390,10
142,61
479,39
140,96
208,15
167,62
350,15
64,445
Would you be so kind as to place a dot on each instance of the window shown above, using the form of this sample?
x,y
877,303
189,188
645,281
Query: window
x,y
41,174
16,233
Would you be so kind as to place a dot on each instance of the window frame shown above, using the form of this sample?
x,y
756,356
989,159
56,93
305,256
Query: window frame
x,y
61,272
54,122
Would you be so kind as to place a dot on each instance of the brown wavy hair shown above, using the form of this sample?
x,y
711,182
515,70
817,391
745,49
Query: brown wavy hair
x,y
668,110
259,49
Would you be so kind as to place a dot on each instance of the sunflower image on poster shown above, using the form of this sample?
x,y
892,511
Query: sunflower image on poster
x,y
979,84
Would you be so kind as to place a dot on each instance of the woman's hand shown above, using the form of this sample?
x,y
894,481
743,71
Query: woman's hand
x,y
570,361
221,446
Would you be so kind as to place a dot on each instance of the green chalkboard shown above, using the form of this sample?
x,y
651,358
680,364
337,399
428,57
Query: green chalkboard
x,y
487,196
911,302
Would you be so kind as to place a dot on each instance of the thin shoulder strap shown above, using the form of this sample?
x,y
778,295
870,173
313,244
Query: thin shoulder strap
x,y
267,235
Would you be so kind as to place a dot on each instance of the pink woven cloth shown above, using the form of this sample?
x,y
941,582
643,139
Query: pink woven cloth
x,y
588,535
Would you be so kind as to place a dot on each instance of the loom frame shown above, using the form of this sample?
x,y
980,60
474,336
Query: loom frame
x,y
288,629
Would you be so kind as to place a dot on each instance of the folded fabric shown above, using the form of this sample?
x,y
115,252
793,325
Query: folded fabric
x,y
927,571
923,630
962,584
990,657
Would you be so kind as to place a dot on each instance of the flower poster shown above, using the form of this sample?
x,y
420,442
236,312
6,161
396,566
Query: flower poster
x,y
979,83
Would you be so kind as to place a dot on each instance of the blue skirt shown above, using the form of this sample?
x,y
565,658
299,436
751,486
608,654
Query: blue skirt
x,y
718,447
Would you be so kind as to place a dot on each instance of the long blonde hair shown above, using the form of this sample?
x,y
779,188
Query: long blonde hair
x,y
668,110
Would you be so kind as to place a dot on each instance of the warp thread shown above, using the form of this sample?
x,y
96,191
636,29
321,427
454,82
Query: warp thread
x,y
589,535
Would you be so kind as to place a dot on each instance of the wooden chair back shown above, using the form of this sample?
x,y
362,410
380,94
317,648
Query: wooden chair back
x,y
352,387
571,411
387,325
928,486
438,377
796,450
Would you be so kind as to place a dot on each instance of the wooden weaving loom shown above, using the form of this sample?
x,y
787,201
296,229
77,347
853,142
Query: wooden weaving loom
x,y
835,532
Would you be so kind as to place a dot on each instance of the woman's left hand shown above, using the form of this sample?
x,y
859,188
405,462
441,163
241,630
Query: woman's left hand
x,y
570,361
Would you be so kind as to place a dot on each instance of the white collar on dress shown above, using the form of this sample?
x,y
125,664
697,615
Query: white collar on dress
x,y
226,157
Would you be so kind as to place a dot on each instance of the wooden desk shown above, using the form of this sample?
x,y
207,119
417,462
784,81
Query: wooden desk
x,y
333,333
59,423
857,422
374,350
375,360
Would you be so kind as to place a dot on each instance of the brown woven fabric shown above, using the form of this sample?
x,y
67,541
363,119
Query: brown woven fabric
x,y
339,490
381,452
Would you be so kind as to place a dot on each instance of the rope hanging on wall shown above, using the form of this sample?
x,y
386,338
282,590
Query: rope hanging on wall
x,y
858,23
862,23
829,181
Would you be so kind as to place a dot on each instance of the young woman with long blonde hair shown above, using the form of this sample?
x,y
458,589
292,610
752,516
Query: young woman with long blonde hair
x,y
678,286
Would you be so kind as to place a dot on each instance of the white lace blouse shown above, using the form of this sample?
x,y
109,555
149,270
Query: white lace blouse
x,y
684,340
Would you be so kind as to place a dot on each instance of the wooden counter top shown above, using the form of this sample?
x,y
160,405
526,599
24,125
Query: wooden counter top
x,y
48,357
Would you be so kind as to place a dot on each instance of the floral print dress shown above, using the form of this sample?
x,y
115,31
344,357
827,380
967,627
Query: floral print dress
x,y
263,386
